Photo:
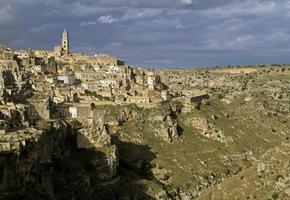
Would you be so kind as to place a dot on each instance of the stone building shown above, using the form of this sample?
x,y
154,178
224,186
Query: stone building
x,y
193,101
51,64
165,95
88,76
79,111
62,111
139,76
64,48
67,79
22,54
107,83
65,42
137,99
38,109
50,79
106,59
5,53
152,80
93,85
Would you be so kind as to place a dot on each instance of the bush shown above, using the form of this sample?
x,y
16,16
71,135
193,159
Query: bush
x,y
42,124
278,177
75,124
100,97
275,195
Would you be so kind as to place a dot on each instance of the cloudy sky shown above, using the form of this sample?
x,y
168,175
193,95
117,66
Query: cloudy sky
x,y
177,33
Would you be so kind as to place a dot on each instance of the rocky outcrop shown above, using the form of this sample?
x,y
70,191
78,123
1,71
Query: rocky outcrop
x,y
167,129
163,122
54,163
96,131
129,113
28,155
14,117
13,141
208,129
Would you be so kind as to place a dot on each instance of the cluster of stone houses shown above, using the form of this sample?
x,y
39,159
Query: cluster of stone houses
x,y
66,84
5,53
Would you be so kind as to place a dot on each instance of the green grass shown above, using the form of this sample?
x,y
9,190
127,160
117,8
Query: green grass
x,y
186,159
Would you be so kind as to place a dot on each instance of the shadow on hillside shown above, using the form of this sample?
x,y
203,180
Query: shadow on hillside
x,y
134,166
54,167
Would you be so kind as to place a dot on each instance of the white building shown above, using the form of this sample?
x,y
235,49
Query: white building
x,y
109,83
152,81
73,112
90,85
22,54
67,79
165,95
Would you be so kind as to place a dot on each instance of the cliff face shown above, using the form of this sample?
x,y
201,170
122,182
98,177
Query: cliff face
x,y
50,164
79,160
134,153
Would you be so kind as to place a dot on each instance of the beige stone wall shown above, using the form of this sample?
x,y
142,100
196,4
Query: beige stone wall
x,y
234,70
106,59
87,76
135,99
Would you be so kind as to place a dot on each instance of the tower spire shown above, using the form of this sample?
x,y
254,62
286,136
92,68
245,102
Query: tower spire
x,y
65,42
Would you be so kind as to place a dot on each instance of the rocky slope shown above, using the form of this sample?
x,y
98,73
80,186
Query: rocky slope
x,y
239,138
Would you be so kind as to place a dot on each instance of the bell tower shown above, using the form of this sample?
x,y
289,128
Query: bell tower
x,y
65,42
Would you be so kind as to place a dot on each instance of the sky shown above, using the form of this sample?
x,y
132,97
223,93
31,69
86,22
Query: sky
x,y
155,33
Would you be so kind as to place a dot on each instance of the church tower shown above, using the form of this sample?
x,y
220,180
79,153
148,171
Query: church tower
x,y
65,42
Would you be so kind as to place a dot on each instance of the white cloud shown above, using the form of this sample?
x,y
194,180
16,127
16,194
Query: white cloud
x,y
115,45
108,19
89,23
212,43
187,1
160,29
143,13
249,7
240,42
131,14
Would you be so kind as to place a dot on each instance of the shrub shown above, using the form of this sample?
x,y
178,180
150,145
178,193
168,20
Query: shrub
x,y
275,195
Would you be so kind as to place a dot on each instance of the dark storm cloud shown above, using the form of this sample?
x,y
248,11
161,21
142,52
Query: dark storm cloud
x,y
158,33
194,4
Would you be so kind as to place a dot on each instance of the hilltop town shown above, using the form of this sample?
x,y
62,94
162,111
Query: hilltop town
x,y
75,126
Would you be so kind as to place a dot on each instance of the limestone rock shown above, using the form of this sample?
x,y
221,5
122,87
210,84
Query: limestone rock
x,y
161,174
168,130
96,131
185,195
208,129
163,195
